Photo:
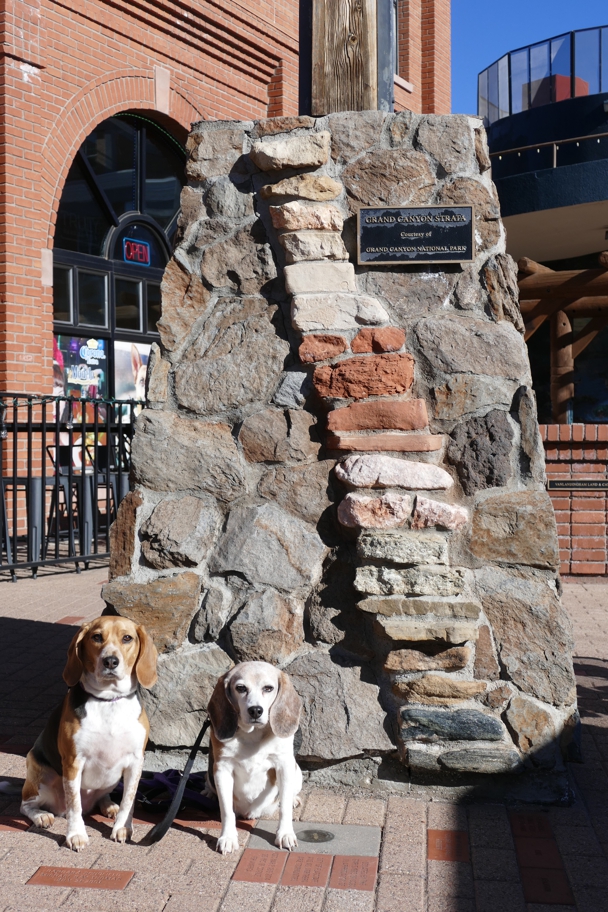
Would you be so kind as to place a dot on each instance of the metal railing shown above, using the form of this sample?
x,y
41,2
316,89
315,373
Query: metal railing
x,y
545,155
64,468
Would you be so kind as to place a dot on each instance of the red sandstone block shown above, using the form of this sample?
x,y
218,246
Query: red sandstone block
x,y
321,347
380,414
587,568
388,339
358,378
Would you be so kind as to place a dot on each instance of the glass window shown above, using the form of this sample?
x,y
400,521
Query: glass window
x,y
140,245
82,224
604,43
128,304
520,81
482,94
493,93
503,86
153,306
62,294
111,150
540,86
560,68
164,179
92,298
587,62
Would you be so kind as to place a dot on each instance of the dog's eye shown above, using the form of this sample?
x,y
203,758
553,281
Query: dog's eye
x,y
268,689
240,688
97,638
127,638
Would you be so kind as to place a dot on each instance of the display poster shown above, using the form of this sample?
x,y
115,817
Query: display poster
x,y
80,367
130,368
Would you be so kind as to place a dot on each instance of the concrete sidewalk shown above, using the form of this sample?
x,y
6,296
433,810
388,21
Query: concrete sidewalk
x,y
430,855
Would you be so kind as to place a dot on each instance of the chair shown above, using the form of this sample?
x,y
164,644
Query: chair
x,y
62,510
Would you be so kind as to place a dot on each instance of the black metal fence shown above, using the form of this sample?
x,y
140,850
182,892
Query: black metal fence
x,y
64,468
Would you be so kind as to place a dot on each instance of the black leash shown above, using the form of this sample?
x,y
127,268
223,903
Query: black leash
x,y
159,829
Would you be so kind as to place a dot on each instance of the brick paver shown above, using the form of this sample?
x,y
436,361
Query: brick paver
x,y
185,873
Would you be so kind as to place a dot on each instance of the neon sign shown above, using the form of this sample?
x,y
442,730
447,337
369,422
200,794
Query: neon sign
x,y
136,251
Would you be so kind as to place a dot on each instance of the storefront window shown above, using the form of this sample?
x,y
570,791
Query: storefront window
x,y
116,219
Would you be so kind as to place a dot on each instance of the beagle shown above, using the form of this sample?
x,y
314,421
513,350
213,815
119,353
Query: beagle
x,y
254,712
98,734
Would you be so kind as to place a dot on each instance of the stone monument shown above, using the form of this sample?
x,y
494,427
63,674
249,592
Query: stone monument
x,y
339,468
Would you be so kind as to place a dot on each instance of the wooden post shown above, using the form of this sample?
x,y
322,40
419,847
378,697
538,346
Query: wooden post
x,y
344,56
562,368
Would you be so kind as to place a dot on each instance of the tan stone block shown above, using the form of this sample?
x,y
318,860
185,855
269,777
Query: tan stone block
x,y
321,347
532,725
409,630
436,689
402,660
516,528
157,376
269,126
296,216
390,443
319,277
313,245
403,547
486,664
335,310
360,377
376,471
301,151
387,339
445,607
434,513
317,187
386,512
380,414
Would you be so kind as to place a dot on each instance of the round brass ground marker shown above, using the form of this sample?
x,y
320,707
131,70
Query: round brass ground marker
x,y
315,836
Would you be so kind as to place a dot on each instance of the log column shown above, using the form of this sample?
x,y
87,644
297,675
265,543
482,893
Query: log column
x,y
562,367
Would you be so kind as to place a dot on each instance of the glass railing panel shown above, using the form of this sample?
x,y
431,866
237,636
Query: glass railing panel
x,y
520,81
493,93
540,85
561,68
586,62
482,94
604,48
503,86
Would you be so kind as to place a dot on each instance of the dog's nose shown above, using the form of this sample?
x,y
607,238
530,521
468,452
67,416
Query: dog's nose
x,y
255,712
110,662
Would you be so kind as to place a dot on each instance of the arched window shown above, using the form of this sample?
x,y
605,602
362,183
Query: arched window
x,y
115,226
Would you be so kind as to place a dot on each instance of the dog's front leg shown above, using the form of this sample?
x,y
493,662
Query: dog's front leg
x,y
76,838
224,785
286,837
123,825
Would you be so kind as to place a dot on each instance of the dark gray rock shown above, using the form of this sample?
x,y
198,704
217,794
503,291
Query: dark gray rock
x,y
516,528
532,632
462,344
500,279
389,177
481,451
294,389
449,140
179,532
237,359
270,547
342,716
350,137
275,435
220,603
242,262
463,394
478,760
303,490
422,724
533,452
225,199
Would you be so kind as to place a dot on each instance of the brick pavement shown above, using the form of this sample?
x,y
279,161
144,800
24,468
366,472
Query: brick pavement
x,y
436,855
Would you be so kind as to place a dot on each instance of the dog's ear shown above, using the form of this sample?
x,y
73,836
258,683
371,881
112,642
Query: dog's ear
x,y
285,711
223,715
74,667
136,362
145,666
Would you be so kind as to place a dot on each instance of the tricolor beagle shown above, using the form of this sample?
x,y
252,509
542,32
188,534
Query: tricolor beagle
x,y
97,735
254,712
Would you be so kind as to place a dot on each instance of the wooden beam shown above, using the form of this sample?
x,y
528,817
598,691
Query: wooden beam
x,y
533,325
603,260
344,56
595,303
529,267
586,336
562,367
573,283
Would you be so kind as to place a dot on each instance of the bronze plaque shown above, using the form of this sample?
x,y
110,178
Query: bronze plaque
x,y
448,845
389,235
260,866
306,870
95,878
354,872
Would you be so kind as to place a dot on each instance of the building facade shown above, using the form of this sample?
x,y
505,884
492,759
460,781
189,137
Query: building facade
x,y
98,99
546,108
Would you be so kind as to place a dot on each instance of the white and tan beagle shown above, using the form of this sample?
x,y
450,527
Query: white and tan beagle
x,y
97,735
254,712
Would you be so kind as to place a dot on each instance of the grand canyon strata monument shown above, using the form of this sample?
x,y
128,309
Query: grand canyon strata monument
x,y
339,468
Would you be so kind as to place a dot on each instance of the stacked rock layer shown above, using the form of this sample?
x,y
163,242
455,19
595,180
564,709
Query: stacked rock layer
x,y
339,468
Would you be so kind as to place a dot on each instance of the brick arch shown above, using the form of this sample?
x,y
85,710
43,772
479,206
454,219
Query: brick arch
x,y
122,90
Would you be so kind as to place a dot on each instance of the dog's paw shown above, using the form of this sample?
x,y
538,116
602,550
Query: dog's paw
x,y
286,839
108,807
121,834
76,841
297,802
43,820
227,844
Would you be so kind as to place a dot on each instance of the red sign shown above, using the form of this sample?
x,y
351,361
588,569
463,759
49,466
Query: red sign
x,y
136,251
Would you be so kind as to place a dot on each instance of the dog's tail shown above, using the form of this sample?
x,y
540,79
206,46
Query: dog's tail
x,y
160,829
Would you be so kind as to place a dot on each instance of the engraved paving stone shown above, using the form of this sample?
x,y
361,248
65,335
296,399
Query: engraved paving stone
x,y
97,879
305,870
259,866
353,872
448,845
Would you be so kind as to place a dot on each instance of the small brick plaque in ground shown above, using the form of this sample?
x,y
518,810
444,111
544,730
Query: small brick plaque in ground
x,y
448,845
305,870
354,872
8,823
81,877
546,886
259,866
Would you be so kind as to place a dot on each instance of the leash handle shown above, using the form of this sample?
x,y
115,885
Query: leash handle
x,y
160,829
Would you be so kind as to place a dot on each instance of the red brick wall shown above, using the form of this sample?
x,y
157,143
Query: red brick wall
x,y
579,451
424,54
68,66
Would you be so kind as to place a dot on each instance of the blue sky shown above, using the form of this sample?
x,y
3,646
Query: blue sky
x,y
482,30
